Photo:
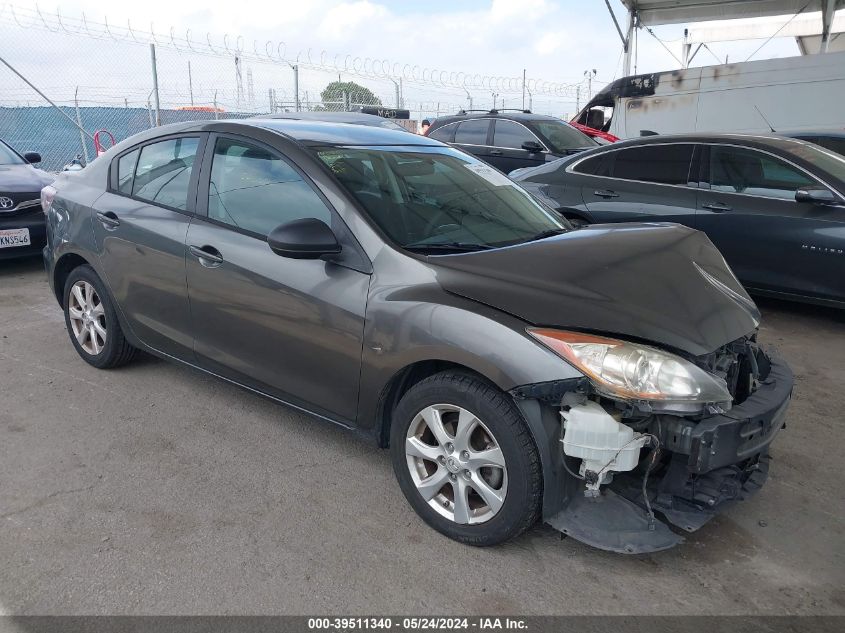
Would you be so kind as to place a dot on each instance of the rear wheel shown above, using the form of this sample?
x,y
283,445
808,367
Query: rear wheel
x,y
92,322
465,459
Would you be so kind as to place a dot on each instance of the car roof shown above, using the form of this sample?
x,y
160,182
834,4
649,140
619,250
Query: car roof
x,y
330,133
361,118
820,132
752,140
310,132
501,114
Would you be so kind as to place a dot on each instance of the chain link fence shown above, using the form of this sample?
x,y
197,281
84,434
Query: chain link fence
x,y
71,87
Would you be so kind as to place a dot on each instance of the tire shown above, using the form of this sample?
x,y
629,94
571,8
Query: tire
x,y
95,333
420,461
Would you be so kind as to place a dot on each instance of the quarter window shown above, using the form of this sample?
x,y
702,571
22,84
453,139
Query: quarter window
x,y
126,172
255,190
164,172
738,170
665,164
510,134
595,165
472,132
443,133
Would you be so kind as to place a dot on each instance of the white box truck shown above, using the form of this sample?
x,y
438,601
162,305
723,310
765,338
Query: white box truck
x,y
787,93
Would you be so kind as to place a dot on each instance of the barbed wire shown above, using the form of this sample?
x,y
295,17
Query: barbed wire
x,y
273,52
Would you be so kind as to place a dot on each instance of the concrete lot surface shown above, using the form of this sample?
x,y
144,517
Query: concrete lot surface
x,y
156,489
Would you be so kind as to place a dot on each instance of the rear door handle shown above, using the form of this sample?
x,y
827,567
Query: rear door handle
x,y
496,152
209,256
605,193
716,207
108,219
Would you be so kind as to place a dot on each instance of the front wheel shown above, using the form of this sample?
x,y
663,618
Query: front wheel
x,y
465,459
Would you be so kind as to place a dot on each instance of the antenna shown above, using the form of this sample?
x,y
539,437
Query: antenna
x,y
763,116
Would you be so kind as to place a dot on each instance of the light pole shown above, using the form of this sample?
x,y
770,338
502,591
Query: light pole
x,y
469,97
495,96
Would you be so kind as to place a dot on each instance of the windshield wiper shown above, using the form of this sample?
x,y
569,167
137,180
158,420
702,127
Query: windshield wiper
x,y
547,233
448,246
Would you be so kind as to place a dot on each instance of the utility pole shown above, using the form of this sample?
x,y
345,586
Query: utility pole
x,y
495,96
589,74
296,85
155,84
577,98
190,83
469,97
523,89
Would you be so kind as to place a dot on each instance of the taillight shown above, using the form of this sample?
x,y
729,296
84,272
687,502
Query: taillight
x,y
47,195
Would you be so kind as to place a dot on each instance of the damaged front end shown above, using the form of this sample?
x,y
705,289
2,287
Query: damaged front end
x,y
624,469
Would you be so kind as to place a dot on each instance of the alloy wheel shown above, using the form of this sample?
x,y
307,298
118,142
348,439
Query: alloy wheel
x,y
87,317
456,464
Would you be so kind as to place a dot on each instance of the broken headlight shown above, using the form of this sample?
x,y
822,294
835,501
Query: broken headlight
x,y
630,371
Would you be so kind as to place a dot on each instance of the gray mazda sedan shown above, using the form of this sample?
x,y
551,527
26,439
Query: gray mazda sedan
x,y
607,379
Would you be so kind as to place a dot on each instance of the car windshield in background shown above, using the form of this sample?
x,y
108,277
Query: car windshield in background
x,y
562,136
825,159
8,156
438,199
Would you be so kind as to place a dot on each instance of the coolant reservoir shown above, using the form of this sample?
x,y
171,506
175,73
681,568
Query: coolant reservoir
x,y
604,444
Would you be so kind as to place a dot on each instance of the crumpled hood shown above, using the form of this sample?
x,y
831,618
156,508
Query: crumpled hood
x,y
662,283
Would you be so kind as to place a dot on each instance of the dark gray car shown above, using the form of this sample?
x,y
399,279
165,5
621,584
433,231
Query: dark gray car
x,y
607,380
773,206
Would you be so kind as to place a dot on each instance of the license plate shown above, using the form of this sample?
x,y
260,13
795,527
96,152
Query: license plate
x,y
14,237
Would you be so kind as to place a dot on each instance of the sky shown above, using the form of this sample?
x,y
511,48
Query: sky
x,y
553,40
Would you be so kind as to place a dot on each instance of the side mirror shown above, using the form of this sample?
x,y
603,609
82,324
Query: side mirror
x,y
532,146
308,238
32,157
815,195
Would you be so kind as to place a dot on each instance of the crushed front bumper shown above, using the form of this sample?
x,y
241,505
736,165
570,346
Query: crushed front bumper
x,y
712,462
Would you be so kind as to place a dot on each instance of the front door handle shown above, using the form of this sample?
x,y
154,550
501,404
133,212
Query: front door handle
x,y
209,256
605,193
108,219
716,207
496,152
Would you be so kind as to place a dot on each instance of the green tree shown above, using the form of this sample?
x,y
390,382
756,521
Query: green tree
x,y
355,93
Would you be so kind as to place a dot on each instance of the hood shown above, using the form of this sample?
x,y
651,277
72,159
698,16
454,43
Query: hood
x,y
660,283
22,178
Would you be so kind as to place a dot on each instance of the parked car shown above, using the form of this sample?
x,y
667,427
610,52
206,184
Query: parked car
x,y
510,140
21,219
834,140
773,206
406,290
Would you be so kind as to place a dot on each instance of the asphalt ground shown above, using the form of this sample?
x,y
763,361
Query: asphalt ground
x,y
155,489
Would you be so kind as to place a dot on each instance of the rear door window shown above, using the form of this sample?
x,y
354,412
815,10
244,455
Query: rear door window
x,y
741,170
164,172
595,165
512,135
664,164
472,132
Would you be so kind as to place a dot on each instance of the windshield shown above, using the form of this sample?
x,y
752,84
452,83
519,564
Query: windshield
x,y
437,198
8,156
562,136
825,159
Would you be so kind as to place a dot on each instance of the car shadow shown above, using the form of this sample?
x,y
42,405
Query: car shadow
x,y
22,265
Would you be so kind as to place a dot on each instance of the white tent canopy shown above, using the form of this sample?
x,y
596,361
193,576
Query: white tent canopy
x,y
649,13
657,12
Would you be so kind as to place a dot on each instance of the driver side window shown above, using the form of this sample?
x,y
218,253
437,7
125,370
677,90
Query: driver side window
x,y
256,190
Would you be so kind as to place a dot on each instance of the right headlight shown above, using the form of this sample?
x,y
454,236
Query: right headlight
x,y
630,371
